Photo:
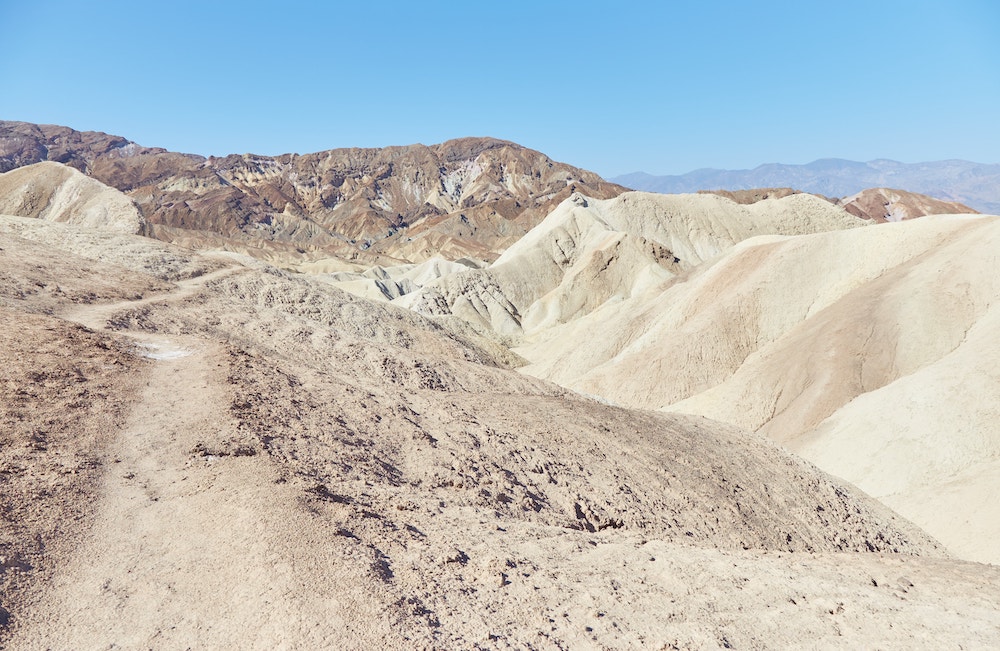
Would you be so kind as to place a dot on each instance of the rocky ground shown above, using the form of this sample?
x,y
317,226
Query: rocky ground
x,y
202,451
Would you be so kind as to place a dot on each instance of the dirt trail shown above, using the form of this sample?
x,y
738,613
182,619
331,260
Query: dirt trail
x,y
189,549
95,316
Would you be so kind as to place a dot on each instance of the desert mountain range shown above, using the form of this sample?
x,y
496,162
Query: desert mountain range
x,y
470,197
973,184
762,420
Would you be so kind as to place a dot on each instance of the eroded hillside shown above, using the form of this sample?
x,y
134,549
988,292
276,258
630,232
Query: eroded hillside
x,y
869,351
288,464
204,450
466,197
590,253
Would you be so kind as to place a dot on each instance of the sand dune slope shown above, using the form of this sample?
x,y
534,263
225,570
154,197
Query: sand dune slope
x,y
287,465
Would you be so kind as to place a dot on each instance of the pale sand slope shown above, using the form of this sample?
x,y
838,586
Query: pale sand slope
x,y
59,193
588,253
871,353
388,283
291,467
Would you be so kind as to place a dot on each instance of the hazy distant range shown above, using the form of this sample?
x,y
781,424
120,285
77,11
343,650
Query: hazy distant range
x,y
977,185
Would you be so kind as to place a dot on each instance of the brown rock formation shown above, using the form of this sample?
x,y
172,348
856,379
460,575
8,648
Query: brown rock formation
x,y
888,205
465,197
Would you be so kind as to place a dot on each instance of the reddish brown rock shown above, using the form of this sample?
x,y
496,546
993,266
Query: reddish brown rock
x,y
888,205
465,197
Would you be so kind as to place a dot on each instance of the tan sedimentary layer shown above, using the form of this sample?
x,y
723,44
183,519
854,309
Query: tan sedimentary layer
x,y
294,465
868,351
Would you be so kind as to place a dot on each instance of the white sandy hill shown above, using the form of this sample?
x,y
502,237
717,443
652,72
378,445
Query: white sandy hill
x,y
58,193
588,253
321,471
391,282
872,353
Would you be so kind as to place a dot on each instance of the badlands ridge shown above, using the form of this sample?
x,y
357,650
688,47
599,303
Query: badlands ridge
x,y
652,420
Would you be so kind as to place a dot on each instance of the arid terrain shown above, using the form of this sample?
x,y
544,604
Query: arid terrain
x,y
466,197
600,435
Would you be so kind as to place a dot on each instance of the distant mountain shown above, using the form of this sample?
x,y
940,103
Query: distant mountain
x,y
974,184
466,197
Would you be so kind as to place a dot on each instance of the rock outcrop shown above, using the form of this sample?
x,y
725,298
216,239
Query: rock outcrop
x,y
888,205
466,197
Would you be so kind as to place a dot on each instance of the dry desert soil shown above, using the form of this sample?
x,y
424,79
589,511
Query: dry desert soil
x,y
200,450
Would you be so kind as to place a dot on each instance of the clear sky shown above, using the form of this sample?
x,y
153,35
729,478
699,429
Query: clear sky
x,y
664,87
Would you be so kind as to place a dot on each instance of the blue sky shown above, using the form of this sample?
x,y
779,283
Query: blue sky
x,y
664,87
